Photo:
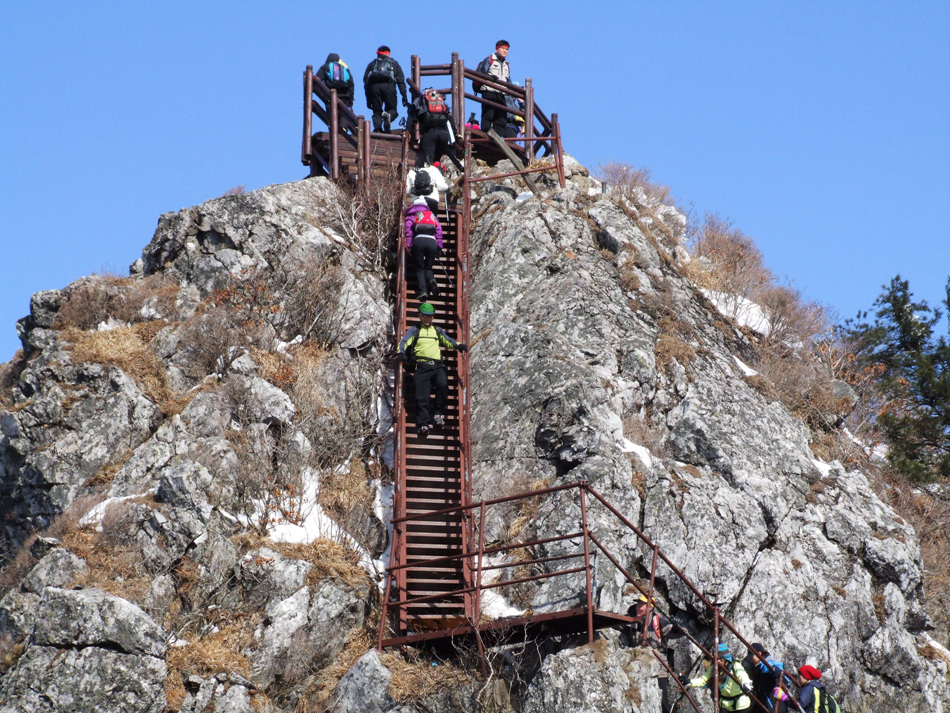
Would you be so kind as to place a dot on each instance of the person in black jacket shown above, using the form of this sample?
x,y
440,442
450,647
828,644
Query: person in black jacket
x,y
336,75
765,674
436,129
380,80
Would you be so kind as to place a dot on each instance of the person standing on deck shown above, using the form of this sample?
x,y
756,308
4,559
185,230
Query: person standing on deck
x,y
495,65
380,80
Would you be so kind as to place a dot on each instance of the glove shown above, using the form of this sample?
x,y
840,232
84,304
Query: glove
x,y
683,679
747,688
400,357
463,348
405,102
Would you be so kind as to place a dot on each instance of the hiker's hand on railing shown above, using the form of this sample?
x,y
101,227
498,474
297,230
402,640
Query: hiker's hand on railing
x,y
400,358
683,679
405,102
463,348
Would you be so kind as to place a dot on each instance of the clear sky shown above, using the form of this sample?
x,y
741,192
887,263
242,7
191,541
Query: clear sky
x,y
820,128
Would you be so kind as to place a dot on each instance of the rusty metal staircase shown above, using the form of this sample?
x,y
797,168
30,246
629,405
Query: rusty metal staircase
x,y
441,565
432,473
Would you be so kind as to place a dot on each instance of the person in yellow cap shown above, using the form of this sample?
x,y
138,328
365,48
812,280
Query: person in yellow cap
x,y
734,689
426,342
657,629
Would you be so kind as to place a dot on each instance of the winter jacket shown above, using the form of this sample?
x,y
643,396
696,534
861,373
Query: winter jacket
x,y
420,205
427,341
731,695
350,89
812,698
438,181
764,680
398,78
496,67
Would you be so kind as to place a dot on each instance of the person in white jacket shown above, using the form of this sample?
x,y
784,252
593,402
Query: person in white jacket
x,y
427,182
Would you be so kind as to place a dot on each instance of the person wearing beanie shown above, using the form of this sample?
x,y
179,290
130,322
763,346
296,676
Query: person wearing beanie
x,y
733,689
495,65
766,674
380,80
426,342
813,697
336,75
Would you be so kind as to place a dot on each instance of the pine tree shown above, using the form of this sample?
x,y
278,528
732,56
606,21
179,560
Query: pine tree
x,y
915,378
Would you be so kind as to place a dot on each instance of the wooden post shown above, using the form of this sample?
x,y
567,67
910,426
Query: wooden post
x,y
306,149
529,118
334,137
367,156
458,81
417,71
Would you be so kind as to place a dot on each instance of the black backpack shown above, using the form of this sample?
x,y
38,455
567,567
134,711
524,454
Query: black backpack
x,y
382,71
422,184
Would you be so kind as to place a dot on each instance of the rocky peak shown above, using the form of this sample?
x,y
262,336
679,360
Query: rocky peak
x,y
202,447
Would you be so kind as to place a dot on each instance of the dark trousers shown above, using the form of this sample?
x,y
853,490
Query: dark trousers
x,y
430,377
435,142
424,251
493,118
378,95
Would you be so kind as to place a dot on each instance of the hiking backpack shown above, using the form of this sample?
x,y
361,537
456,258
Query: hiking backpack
x,y
382,70
422,183
434,102
337,75
825,702
423,223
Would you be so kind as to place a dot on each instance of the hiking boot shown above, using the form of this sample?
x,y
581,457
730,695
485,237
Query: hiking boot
x,y
434,288
439,420
423,430
386,121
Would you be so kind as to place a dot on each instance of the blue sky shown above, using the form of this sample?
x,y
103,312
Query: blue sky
x,y
819,128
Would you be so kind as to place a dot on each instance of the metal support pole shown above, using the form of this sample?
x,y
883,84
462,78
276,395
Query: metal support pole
x,y
650,593
417,71
529,118
590,594
558,150
715,661
367,157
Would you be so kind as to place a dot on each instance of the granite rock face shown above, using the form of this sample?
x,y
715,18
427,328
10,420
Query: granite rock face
x,y
183,477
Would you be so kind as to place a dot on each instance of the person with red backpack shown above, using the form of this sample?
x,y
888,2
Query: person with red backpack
x,y
437,131
424,241
380,80
336,75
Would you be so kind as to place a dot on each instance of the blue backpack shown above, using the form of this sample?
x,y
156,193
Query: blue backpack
x,y
337,75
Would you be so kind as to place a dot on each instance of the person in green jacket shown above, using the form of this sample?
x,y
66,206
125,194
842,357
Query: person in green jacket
x,y
733,690
426,342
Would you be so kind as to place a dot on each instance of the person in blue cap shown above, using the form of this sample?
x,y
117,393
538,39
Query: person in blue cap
x,y
733,689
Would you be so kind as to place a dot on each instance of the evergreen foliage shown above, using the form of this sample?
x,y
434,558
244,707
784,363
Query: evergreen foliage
x,y
914,383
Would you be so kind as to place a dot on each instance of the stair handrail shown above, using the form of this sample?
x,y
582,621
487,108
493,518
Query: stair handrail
x,y
584,488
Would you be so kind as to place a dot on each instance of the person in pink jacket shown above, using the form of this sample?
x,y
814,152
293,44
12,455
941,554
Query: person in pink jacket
x,y
424,242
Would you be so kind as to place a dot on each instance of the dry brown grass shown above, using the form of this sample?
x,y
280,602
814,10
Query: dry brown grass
x,y
218,652
127,348
644,201
318,695
329,559
101,297
670,347
412,681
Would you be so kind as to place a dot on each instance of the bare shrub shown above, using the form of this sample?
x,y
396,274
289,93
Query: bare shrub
x,y
336,396
211,342
735,264
929,514
235,191
347,497
369,221
649,204
9,373
669,347
793,319
217,652
124,299
311,300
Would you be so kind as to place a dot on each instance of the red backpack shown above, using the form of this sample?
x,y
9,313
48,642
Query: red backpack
x,y
434,102
424,223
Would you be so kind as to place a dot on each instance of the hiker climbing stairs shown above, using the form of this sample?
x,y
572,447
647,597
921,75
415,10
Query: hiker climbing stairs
x,y
429,469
